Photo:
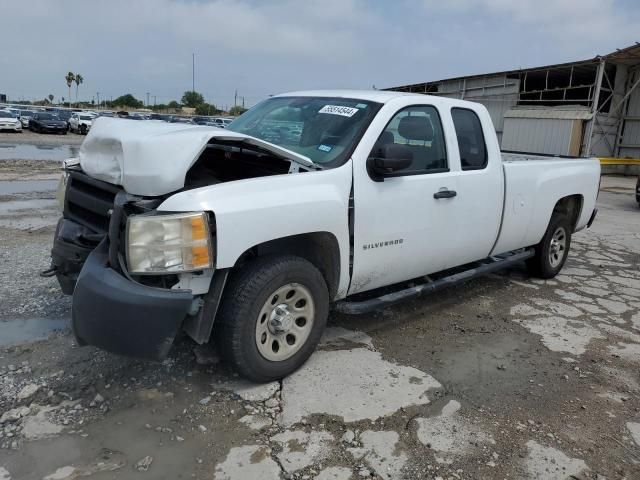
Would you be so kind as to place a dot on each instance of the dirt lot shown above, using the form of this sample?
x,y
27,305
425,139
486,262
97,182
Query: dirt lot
x,y
505,377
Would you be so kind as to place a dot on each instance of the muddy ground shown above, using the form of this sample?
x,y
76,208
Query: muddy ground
x,y
504,377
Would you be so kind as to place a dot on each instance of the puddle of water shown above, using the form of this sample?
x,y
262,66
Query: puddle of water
x,y
27,186
30,329
35,204
37,152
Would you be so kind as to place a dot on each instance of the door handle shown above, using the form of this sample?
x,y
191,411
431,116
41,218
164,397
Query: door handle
x,y
445,194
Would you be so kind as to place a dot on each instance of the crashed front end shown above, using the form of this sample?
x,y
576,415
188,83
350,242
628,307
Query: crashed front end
x,y
138,275
123,300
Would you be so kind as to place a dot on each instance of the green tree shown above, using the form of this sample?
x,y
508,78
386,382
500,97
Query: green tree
x,y
207,109
50,97
70,78
173,104
128,100
237,110
78,79
192,99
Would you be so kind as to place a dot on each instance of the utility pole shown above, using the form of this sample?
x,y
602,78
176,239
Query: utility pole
x,y
235,99
243,102
154,100
193,72
147,99
98,95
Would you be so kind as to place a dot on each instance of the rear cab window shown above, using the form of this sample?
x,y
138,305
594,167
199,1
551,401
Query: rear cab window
x,y
471,143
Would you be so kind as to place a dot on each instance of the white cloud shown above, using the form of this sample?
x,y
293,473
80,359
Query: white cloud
x,y
260,48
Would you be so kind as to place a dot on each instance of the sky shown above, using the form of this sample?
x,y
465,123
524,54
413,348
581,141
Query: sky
x,y
259,48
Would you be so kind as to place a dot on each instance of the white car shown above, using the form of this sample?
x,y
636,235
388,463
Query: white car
x,y
25,116
80,122
10,120
248,236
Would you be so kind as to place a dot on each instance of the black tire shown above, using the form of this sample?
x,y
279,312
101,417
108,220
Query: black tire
x,y
246,294
83,130
549,258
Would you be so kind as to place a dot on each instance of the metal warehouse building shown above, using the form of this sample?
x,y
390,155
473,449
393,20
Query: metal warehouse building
x,y
587,107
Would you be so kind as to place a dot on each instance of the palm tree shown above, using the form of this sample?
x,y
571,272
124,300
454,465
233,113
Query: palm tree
x,y
70,78
51,98
78,81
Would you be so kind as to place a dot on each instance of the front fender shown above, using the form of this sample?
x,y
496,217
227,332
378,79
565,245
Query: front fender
x,y
253,211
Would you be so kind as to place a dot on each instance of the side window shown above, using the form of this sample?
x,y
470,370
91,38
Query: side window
x,y
419,130
473,150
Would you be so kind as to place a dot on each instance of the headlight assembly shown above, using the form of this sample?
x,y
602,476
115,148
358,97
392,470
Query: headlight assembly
x,y
158,244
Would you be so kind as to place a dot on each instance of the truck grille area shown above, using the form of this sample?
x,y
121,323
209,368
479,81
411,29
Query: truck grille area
x,y
89,202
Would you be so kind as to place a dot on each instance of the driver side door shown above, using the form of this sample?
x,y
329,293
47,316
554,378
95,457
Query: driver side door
x,y
403,226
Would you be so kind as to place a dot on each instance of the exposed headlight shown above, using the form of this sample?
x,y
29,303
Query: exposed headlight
x,y
168,243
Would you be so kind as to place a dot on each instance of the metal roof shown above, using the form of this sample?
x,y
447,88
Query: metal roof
x,y
628,56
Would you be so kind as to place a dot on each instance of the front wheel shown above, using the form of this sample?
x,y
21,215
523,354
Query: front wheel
x,y
553,249
272,316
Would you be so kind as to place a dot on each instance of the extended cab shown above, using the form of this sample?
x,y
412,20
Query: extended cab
x,y
308,201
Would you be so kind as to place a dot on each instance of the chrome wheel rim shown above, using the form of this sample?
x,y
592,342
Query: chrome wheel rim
x,y
285,322
557,247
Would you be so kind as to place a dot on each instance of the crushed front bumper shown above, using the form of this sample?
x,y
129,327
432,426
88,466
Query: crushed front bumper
x,y
119,315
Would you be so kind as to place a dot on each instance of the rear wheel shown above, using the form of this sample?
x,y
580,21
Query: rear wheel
x,y
551,253
272,316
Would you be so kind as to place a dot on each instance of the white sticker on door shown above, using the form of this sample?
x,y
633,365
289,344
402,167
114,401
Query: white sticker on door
x,y
338,110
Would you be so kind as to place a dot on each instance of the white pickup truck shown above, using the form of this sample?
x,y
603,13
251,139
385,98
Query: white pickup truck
x,y
309,201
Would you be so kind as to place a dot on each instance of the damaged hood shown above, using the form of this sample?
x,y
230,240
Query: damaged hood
x,y
152,157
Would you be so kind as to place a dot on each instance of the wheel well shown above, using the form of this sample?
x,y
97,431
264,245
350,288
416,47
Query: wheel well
x,y
571,206
319,248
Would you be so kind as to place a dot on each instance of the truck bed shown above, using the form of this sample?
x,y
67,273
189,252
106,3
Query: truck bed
x,y
533,183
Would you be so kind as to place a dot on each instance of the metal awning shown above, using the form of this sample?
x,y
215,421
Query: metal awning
x,y
550,113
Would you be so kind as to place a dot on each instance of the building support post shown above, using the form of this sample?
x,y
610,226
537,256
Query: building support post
x,y
594,107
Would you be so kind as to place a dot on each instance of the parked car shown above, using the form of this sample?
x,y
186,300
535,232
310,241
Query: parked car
x,y
210,121
638,190
43,122
194,230
64,115
25,116
223,122
80,123
10,120
176,119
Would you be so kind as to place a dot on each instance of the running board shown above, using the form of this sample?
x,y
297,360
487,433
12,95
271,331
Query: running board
x,y
489,265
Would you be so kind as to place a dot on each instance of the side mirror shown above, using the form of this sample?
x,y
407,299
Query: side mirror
x,y
387,160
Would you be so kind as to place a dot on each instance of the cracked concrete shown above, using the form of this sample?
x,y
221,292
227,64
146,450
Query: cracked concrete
x,y
353,384
247,462
548,463
449,435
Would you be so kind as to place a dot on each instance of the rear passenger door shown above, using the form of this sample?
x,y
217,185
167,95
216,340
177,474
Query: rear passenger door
x,y
404,226
480,185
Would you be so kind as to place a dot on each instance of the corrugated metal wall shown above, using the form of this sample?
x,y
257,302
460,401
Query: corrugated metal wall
x,y
539,135
630,142
496,92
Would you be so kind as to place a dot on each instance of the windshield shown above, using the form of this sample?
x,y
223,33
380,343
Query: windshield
x,y
6,114
86,117
323,129
47,116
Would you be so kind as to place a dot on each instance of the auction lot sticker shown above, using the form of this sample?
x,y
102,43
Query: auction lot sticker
x,y
338,110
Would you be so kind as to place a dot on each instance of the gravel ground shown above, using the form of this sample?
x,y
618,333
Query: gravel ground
x,y
504,377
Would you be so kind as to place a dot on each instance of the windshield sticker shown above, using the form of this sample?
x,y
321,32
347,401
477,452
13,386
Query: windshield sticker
x,y
325,148
361,105
338,110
